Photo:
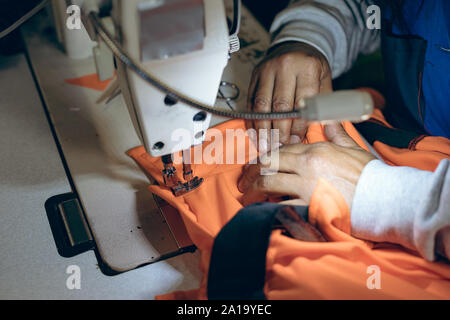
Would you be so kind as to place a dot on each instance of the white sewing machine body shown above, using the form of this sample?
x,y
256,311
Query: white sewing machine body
x,y
128,227
187,47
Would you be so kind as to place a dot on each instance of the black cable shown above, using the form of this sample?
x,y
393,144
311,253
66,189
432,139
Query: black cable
x,y
23,19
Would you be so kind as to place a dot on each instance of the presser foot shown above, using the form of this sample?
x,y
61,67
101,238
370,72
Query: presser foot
x,y
171,181
183,188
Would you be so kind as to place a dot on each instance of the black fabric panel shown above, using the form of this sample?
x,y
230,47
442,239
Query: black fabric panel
x,y
238,260
378,132
403,60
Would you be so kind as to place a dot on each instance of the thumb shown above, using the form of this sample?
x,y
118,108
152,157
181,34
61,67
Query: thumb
x,y
336,134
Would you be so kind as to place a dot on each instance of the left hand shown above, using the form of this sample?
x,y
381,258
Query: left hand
x,y
340,162
290,72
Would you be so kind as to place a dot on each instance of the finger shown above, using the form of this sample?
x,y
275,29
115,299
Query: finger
x,y
251,89
326,84
262,102
308,85
283,101
285,163
308,183
299,128
337,135
281,184
297,148
250,174
295,139
251,95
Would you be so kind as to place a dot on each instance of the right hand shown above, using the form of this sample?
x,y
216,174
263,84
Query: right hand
x,y
340,161
290,72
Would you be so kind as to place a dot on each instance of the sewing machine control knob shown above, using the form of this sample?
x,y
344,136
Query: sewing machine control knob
x,y
235,44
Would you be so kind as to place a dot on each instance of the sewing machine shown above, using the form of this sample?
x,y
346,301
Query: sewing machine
x,y
186,44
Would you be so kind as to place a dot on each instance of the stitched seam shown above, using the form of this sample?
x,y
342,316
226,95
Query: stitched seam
x,y
413,144
418,98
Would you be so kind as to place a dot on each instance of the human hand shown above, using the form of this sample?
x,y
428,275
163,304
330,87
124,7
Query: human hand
x,y
339,161
290,72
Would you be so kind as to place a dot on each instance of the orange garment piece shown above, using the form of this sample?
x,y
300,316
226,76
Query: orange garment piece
x,y
424,153
90,81
295,269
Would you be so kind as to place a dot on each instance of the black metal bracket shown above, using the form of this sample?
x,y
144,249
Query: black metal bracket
x,y
69,227
72,234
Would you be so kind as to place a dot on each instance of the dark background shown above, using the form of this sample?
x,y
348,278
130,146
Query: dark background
x,y
12,10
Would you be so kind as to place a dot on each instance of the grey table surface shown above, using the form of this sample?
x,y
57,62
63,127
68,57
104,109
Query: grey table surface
x,y
31,171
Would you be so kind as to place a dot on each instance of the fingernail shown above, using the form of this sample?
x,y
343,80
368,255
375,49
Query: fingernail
x,y
263,145
295,139
241,185
276,146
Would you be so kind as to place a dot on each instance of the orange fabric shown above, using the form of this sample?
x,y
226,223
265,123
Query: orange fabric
x,y
424,153
90,81
297,269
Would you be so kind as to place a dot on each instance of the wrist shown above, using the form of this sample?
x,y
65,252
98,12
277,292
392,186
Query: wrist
x,y
299,47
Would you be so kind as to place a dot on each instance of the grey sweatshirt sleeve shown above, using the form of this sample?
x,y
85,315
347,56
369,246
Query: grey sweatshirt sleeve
x,y
405,206
337,28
